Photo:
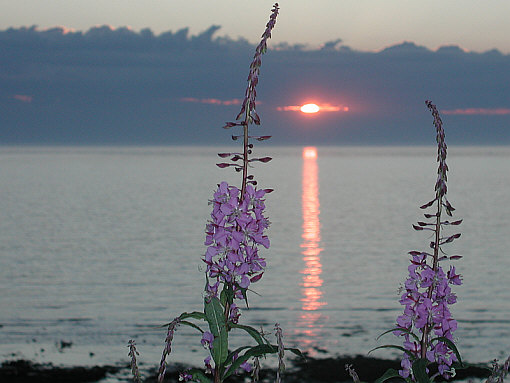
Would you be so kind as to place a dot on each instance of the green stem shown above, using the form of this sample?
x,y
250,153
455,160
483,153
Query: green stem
x,y
245,155
437,230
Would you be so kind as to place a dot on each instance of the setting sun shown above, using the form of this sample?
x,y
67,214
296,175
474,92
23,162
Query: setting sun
x,y
310,108
310,152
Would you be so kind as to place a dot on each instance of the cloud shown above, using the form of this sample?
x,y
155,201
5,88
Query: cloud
x,y
213,101
23,98
116,85
478,111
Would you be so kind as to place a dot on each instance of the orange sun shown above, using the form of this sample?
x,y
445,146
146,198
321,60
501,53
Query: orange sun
x,y
310,108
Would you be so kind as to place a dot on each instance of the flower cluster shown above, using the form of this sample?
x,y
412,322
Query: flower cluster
x,y
281,352
172,326
248,106
134,365
422,311
233,235
428,293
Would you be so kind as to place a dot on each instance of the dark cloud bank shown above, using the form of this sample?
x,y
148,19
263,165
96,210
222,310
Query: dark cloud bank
x,y
123,87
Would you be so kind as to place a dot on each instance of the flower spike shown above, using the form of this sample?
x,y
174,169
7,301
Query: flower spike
x,y
428,295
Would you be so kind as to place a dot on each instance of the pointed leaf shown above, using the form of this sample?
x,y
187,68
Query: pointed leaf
x,y
411,355
262,159
428,204
230,124
220,347
250,330
231,354
452,223
195,315
190,324
214,316
199,376
451,345
259,350
401,329
389,374
420,372
295,351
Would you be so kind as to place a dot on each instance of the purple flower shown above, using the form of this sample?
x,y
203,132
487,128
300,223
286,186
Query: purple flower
x,y
134,366
207,340
428,295
168,347
235,313
233,235
454,278
185,376
281,352
208,367
405,363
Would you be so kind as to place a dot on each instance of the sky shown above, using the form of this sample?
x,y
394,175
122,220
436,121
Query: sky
x,y
171,72
362,24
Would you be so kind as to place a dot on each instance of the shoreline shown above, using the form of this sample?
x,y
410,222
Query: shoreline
x,y
313,370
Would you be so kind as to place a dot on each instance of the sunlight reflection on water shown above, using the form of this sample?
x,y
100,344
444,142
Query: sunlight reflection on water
x,y
312,281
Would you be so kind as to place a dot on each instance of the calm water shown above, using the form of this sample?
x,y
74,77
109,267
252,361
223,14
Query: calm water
x,y
99,245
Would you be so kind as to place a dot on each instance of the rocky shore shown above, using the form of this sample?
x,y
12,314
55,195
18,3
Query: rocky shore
x,y
309,371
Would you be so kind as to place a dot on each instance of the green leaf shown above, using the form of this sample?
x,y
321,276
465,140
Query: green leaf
x,y
389,374
195,315
250,330
420,372
411,355
227,295
220,347
230,356
243,292
185,322
295,351
259,350
199,375
404,330
452,346
223,297
185,315
214,316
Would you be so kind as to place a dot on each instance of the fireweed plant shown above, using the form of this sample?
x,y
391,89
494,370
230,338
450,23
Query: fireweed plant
x,y
234,235
426,324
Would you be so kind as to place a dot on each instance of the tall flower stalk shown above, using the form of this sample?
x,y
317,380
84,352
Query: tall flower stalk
x,y
426,324
234,235
237,226
134,365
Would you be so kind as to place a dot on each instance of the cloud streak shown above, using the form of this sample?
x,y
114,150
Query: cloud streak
x,y
479,111
23,98
212,101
